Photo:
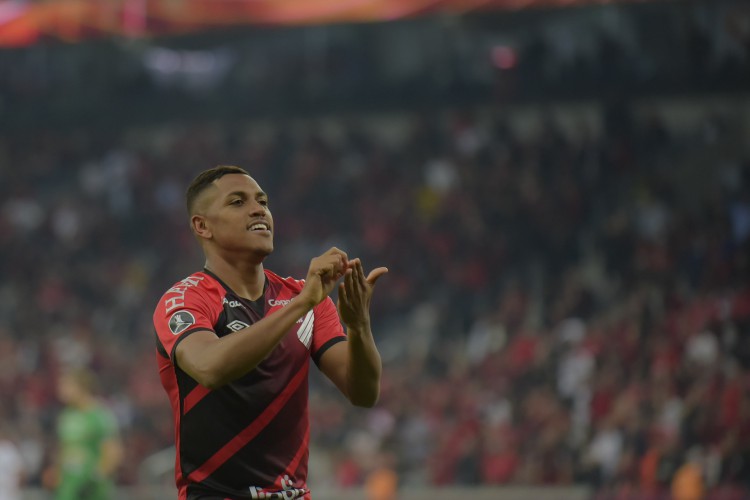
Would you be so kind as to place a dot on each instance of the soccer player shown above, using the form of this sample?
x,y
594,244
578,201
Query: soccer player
x,y
234,343
89,446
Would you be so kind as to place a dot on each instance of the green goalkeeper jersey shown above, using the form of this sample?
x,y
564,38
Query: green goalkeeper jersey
x,y
81,434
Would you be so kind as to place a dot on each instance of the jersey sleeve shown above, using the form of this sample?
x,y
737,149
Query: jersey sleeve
x,y
327,330
179,315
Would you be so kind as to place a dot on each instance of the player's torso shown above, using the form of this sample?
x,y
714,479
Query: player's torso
x,y
289,355
253,427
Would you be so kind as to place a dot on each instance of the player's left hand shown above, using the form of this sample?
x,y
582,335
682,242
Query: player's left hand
x,y
355,294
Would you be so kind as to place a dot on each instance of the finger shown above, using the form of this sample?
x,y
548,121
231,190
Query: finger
x,y
358,283
375,274
338,265
351,291
352,263
344,263
361,280
331,265
343,299
339,252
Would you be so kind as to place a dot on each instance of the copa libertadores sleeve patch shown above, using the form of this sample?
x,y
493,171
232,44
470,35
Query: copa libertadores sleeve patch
x,y
180,321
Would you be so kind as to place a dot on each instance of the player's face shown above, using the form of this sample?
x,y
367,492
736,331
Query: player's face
x,y
238,215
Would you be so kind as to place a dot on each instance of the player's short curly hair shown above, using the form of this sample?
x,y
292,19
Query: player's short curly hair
x,y
204,179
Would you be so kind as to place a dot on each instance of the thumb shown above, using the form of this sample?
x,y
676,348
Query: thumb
x,y
375,274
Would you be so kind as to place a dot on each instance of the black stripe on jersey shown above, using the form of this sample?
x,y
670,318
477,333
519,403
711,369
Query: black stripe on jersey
x,y
275,434
215,429
258,306
197,492
160,347
325,347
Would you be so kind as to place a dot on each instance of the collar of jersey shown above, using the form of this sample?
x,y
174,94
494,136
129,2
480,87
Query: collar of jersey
x,y
229,290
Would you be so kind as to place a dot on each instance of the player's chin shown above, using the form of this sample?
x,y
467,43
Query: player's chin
x,y
263,250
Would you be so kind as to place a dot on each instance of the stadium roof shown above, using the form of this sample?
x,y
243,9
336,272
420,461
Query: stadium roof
x,y
24,22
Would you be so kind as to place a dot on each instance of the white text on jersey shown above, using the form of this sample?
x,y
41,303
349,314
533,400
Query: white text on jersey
x,y
177,293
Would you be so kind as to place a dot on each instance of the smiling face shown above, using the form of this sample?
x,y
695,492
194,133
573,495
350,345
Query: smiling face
x,y
231,215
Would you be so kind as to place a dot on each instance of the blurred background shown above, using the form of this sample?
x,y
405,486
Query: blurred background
x,y
561,190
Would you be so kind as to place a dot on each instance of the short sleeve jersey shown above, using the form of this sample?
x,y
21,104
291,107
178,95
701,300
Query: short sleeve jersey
x,y
248,438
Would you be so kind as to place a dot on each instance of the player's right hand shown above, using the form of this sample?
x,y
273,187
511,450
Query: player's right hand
x,y
323,274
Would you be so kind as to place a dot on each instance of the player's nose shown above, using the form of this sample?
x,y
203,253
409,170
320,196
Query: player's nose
x,y
256,208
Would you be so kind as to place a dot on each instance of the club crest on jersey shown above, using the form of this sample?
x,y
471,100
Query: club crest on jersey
x,y
180,321
305,330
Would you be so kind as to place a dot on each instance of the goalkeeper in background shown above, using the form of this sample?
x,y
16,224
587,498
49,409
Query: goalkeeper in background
x,y
89,448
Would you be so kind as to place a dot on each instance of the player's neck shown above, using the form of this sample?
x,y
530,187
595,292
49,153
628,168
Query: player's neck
x,y
246,279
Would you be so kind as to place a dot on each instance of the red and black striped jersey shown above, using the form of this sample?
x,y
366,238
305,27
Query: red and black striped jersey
x,y
249,438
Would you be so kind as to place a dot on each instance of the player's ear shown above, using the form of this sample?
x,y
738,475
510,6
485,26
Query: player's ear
x,y
199,226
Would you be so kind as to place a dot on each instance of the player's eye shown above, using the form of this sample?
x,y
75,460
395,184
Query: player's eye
x,y
238,202
263,202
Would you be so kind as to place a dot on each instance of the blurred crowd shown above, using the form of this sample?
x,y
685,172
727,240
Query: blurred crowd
x,y
635,48
565,306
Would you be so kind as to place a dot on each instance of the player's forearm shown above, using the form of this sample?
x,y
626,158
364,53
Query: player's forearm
x,y
238,353
364,367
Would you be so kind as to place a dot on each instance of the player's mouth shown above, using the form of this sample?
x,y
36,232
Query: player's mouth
x,y
259,227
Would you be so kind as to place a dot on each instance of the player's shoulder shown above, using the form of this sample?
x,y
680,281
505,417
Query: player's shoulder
x,y
199,284
198,281
288,282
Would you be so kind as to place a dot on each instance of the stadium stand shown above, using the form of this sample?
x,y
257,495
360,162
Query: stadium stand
x,y
559,309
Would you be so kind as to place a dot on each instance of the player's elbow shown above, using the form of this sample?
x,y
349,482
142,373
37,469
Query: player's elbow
x,y
220,374
365,399
209,371
212,379
365,403
208,376
363,389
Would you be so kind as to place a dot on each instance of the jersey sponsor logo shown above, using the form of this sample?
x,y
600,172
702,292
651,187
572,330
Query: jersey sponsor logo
x,y
237,325
232,303
180,321
175,296
281,302
287,492
305,331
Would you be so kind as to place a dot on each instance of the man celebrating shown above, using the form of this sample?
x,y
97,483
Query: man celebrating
x,y
234,343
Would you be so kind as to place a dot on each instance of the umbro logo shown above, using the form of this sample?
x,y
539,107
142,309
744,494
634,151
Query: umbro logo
x,y
180,321
237,325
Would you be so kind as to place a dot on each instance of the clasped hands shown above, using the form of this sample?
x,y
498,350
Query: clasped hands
x,y
354,292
